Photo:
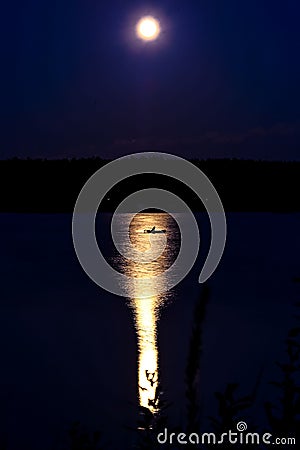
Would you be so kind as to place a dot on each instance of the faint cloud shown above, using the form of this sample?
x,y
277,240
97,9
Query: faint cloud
x,y
279,129
280,141
211,137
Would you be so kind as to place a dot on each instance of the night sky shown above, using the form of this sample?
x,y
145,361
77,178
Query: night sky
x,y
223,79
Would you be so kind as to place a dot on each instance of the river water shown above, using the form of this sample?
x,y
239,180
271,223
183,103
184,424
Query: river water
x,y
72,351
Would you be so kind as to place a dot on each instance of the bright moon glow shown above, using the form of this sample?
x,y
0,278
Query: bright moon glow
x,y
148,28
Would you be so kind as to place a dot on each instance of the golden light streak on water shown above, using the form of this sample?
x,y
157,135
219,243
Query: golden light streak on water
x,y
148,374
145,306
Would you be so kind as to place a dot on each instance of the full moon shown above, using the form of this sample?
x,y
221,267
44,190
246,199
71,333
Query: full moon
x,y
148,28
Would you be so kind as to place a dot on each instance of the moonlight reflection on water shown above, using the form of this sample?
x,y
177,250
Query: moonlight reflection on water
x,y
146,307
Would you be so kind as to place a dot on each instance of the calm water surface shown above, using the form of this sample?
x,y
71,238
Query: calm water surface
x,y
72,351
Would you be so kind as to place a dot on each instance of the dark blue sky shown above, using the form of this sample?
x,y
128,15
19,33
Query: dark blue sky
x,y
225,74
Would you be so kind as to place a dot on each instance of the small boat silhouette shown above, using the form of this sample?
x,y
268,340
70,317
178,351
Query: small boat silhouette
x,y
153,231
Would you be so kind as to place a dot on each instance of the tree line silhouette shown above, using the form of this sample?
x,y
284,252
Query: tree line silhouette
x,y
52,186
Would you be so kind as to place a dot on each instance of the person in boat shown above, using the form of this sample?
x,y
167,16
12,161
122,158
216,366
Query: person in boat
x,y
153,230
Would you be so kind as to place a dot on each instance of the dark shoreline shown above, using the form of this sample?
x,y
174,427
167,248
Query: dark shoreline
x,y
52,186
